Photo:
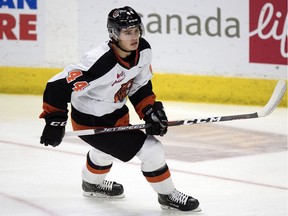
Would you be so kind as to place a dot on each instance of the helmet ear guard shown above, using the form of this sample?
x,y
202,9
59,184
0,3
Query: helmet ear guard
x,y
123,18
113,34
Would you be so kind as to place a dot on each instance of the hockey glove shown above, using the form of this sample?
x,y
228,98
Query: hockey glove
x,y
156,117
54,129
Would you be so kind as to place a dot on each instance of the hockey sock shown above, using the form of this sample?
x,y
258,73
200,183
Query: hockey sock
x,y
160,180
94,173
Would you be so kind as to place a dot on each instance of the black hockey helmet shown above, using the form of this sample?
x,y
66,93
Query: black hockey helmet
x,y
123,18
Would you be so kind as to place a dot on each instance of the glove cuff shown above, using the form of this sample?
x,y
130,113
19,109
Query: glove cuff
x,y
158,105
147,111
56,119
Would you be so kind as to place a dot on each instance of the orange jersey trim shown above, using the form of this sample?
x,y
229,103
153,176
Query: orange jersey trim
x,y
124,121
49,109
148,100
120,60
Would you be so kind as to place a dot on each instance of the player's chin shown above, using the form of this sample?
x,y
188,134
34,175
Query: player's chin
x,y
134,46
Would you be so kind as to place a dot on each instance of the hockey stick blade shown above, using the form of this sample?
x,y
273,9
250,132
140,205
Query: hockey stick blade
x,y
275,99
273,102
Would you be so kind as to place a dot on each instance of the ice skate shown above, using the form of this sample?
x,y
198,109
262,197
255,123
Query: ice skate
x,y
108,189
178,201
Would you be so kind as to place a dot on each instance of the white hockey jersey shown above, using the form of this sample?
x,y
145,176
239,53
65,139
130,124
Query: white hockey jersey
x,y
100,83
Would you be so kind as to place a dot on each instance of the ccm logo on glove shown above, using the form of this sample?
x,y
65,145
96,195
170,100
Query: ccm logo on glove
x,y
58,124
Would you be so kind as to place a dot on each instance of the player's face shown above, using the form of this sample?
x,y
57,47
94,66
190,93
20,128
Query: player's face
x,y
129,38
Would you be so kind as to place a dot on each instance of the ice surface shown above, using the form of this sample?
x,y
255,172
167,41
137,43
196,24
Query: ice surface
x,y
234,168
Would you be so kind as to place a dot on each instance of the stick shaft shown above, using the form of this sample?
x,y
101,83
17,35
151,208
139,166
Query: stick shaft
x,y
273,102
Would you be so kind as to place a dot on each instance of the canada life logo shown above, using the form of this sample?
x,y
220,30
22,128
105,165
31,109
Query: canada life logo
x,y
268,32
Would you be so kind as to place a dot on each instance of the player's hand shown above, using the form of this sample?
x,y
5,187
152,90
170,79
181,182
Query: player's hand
x,y
156,117
54,129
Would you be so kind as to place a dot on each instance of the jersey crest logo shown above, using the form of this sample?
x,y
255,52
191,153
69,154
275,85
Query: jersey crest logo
x,y
119,78
123,91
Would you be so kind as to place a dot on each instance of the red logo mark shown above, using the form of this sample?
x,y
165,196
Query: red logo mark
x,y
119,78
268,32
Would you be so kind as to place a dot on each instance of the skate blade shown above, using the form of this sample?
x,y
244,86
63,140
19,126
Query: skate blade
x,y
164,207
102,196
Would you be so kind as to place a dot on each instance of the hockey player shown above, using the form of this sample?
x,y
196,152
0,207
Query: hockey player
x,y
98,88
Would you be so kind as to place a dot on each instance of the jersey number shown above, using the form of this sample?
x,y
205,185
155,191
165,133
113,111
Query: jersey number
x,y
73,75
79,86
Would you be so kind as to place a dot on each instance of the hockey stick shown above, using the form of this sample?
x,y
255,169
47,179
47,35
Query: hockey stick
x,y
273,102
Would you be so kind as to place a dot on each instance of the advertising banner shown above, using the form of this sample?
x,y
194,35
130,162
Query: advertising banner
x,y
206,37
22,33
226,38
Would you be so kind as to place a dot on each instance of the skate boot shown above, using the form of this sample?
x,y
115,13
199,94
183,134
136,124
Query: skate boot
x,y
178,201
108,189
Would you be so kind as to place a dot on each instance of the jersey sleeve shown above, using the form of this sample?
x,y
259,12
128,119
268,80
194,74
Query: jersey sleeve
x,y
141,93
74,77
57,94
143,97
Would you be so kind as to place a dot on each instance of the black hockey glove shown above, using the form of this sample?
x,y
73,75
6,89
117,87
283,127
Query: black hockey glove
x,y
54,129
155,115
